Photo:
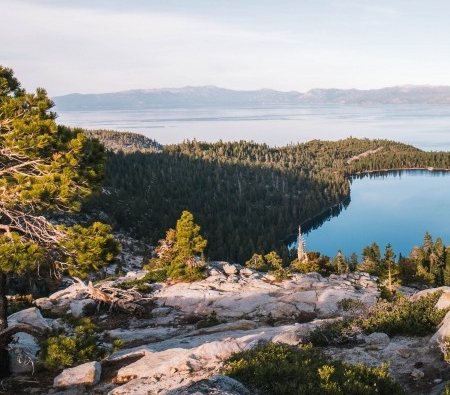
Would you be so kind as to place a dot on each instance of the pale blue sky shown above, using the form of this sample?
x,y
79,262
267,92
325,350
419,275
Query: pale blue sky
x,y
90,46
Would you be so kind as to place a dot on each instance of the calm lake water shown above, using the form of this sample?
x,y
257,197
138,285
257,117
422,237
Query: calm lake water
x,y
426,127
386,209
396,208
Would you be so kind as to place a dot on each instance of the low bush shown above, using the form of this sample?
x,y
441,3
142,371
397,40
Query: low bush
x,y
87,343
447,389
276,369
143,284
209,321
400,316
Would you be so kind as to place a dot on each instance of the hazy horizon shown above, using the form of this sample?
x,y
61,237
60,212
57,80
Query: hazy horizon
x,y
100,46
168,88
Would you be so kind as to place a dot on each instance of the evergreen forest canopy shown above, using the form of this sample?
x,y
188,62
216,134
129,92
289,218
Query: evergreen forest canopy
x,y
247,197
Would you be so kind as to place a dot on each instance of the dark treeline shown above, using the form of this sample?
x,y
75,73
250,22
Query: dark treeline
x,y
247,197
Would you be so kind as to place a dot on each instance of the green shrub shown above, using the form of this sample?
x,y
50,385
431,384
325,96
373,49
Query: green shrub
x,y
404,317
335,333
86,344
143,284
281,274
447,389
351,305
209,321
179,270
397,317
277,369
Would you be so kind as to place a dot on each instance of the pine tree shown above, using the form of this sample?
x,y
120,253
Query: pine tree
x,y
180,254
389,269
43,168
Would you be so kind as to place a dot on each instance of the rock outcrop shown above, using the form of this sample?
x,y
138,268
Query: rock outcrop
x,y
180,346
24,349
233,292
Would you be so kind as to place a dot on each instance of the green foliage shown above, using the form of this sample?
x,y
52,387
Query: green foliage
x,y
18,256
271,263
428,264
143,284
89,248
335,333
209,321
283,370
178,254
186,272
43,168
257,262
351,305
447,389
404,317
86,344
315,263
188,241
400,316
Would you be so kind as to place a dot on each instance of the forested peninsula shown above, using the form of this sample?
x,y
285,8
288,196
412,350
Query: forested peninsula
x,y
247,197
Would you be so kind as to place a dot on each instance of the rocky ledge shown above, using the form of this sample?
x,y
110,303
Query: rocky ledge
x,y
178,345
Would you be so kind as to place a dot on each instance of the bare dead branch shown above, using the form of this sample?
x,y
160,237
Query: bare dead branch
x,y
5,334
123,300
32,227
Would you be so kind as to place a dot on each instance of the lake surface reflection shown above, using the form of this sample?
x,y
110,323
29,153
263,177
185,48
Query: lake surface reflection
x,y
395,207
424,126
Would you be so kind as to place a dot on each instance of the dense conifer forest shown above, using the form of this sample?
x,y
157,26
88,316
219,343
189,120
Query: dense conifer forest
x,y
247,197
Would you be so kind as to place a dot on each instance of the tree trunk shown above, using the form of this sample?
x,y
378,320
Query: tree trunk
x,y
4,356
3,302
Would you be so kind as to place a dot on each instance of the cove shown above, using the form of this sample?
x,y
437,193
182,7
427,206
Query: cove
x,y
395,207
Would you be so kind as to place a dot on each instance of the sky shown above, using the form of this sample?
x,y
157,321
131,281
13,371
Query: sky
x,y
94,46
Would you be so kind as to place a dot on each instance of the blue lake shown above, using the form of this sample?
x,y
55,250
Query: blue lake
x,y
396,208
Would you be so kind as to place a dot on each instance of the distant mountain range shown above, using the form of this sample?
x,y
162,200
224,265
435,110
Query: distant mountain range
x,y
212,96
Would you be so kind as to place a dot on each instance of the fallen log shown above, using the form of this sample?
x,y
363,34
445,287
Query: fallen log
x,y
123,300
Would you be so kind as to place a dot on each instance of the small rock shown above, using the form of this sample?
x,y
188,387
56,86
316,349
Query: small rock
x,y
269,277
292,337
78,308
404,353
246,271
230,269
24,349
85,374
417,374
444,301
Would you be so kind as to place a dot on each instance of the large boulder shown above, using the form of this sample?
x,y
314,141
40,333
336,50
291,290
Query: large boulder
x,y
24,349
438,339
59,302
